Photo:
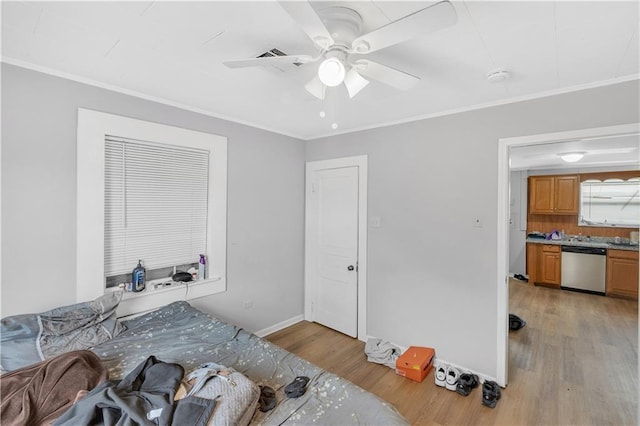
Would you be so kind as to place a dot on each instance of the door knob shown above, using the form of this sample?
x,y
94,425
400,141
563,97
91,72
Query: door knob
x,y
350,268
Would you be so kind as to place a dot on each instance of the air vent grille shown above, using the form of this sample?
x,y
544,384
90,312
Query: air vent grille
x,y
276,52
271,53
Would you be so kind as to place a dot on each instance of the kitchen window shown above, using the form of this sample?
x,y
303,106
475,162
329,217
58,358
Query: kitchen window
x,y
148,191
612,202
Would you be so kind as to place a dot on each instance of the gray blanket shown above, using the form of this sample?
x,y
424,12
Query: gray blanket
x,y
31,338
181,334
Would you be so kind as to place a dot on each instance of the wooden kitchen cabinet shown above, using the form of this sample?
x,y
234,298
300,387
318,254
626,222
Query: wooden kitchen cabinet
x,y
622,273
550,264
553,194
543,264
532,262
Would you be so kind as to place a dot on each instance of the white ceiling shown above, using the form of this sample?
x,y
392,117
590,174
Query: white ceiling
x,y
173,51
608,152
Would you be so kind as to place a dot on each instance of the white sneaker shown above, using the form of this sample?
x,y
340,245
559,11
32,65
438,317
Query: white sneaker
x,y
441,376
452,378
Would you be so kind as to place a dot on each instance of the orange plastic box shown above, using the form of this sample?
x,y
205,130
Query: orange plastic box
x,y
415,363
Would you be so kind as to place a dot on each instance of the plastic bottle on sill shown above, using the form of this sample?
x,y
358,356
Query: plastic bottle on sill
x,y
137,278
202,266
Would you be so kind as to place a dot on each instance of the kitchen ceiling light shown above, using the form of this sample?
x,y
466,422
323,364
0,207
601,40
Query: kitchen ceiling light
x,y
571,157
331,72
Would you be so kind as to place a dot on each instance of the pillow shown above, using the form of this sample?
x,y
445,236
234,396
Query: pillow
x,y
30,338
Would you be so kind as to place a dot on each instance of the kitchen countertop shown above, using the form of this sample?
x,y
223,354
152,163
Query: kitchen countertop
x,y
596,244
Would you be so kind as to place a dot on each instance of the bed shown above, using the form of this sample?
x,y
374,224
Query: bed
x,y
179,333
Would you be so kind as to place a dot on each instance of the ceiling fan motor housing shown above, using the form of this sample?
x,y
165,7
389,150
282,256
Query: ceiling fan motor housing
x,y
343,24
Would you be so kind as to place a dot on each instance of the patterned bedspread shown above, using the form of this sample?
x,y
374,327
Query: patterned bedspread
x,y
182,334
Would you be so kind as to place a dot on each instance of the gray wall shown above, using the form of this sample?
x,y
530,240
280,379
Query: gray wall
x,y
265,200
432,275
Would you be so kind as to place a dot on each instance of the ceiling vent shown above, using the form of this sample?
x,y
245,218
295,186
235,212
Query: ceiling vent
x,y
271,53
277,52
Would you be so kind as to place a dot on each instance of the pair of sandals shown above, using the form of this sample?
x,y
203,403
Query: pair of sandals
x,y
466,383
490,393
295,389
490,390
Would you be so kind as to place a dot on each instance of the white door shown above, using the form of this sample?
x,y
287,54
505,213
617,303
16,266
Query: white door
x,y
332,233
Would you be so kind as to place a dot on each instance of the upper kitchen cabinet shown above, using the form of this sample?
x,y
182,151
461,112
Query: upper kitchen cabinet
x,y
553,194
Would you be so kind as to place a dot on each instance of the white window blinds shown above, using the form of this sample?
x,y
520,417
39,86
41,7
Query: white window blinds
x,y
155,204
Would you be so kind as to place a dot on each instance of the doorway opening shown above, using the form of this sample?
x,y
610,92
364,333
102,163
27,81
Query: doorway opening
x,y
505,145
336,244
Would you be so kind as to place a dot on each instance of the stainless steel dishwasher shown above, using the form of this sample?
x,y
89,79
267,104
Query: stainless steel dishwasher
x,y
584,269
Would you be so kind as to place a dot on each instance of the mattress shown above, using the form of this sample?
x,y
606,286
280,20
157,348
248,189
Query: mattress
x,y
179,333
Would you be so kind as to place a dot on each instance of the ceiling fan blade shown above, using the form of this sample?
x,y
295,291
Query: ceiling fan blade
x,y
308,19
270,60
316,87
427,20
384,74
354,82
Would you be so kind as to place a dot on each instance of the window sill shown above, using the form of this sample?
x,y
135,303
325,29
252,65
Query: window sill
x,y
150,298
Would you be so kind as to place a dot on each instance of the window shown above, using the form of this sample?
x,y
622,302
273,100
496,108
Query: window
x,y
155,205
152,192
614,202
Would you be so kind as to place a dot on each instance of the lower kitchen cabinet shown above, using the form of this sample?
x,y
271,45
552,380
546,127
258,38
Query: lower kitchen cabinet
x,y
543,264
550,264
622,273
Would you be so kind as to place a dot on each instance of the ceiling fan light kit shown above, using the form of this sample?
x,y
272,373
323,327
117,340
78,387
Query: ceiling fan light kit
x,y
354,82
316,88
336,31
331,72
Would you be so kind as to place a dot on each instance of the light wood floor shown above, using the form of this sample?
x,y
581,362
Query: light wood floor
x,y
575,363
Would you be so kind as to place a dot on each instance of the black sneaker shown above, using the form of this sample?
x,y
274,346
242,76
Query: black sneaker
x,y
296,388
515,322
490,393
466,383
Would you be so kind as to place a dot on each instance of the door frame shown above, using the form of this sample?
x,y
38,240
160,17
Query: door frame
x,y
504,146
361,162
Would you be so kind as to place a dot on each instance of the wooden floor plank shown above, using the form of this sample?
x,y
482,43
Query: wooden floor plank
x,y
575,363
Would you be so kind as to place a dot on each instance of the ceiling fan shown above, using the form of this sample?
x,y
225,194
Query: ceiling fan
x,y
336,31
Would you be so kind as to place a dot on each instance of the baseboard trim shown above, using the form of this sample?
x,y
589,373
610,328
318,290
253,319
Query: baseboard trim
x,y
438,361
279,326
